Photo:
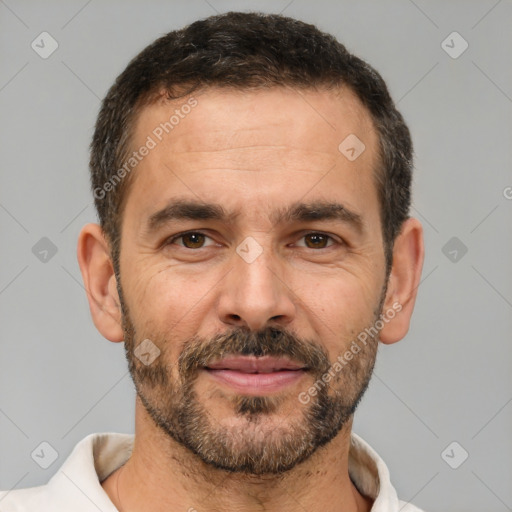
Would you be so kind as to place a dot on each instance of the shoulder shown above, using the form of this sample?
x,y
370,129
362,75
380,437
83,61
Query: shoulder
x,y
77,483
24,500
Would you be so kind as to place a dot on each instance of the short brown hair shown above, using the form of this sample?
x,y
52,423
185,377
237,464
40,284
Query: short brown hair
x,y
246,51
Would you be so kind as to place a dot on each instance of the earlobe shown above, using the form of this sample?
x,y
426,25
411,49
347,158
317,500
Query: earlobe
x,y
404,279
100,282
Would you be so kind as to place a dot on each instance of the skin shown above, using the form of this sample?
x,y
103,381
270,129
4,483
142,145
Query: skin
x,y
251,152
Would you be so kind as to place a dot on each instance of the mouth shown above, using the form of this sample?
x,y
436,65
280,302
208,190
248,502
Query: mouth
x,y
256,375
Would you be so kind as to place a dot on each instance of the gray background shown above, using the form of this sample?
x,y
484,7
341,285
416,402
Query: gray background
x,y
449,380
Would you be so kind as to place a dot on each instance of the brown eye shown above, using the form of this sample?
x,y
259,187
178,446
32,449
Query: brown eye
x,y
191,240
316,240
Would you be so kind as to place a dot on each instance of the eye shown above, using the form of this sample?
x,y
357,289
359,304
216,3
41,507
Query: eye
x,y
317,240
190,240
196,240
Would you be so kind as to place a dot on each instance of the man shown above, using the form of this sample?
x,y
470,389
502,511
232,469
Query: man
x,y
252,180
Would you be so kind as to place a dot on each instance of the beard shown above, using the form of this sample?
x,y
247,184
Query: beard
x,y
263,440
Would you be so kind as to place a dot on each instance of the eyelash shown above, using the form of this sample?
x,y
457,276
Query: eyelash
x,y
171,240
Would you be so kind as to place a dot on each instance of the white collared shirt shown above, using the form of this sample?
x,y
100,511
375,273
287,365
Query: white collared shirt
x,y
76,487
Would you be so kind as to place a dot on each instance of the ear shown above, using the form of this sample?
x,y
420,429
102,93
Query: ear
x,y
100,282
404,279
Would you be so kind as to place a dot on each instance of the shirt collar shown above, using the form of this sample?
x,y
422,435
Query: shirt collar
x,y
98,455
370,475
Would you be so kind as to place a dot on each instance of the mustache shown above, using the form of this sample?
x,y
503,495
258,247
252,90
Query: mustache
x,y
271,341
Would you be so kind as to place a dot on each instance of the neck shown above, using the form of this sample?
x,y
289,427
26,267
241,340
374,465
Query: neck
x,y
162,475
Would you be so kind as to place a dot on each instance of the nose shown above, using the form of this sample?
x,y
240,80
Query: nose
x,y
255,294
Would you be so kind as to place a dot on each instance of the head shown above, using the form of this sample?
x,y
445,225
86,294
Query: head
x,y
252,180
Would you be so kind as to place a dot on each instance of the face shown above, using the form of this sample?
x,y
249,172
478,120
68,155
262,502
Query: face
x,y
251,259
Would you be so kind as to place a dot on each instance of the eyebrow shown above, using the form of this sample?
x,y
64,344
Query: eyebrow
x,y
183,209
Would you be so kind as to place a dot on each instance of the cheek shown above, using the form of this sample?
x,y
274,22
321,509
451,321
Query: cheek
x,y
166,301
340,309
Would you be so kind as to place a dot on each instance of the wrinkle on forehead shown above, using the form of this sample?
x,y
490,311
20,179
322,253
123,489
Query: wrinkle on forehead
x,y
226,120
273,131
259,158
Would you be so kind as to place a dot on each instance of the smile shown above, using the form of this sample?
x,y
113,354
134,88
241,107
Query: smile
x,y
256,375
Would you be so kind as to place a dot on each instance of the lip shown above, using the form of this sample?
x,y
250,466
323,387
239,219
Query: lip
x,y
252,364
256,375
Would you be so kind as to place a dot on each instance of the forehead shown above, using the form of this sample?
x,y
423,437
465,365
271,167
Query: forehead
x,y
221,114
275,142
